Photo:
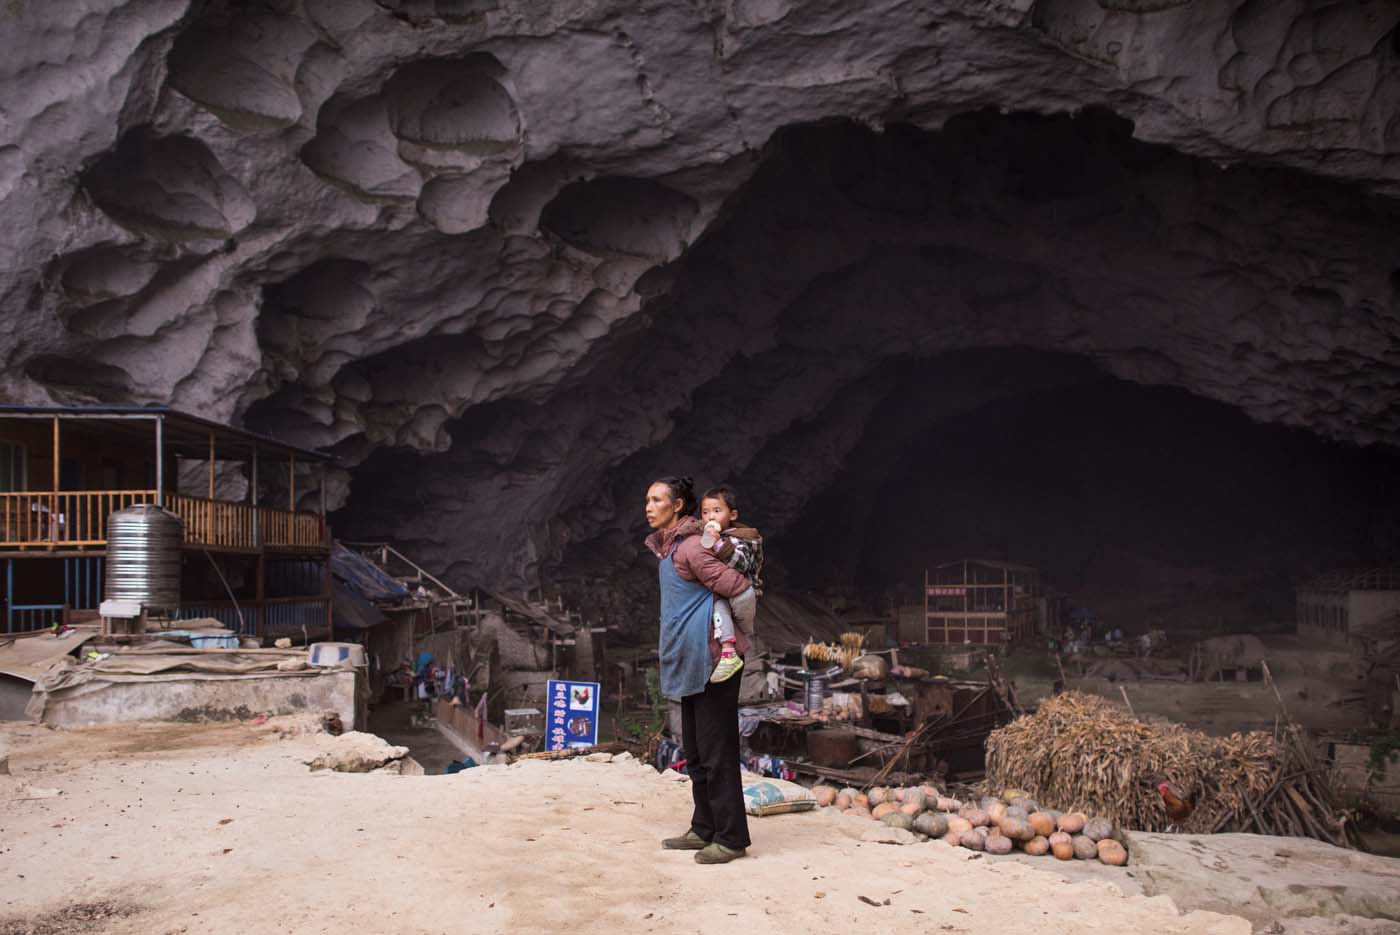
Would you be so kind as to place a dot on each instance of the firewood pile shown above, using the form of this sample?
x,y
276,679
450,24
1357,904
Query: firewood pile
x,y
1085,754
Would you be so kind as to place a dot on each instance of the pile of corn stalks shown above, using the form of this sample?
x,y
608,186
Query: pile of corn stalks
x,y
1082,753
852,647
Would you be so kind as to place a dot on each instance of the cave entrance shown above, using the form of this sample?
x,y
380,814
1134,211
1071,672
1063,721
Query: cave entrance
x,y
1144,506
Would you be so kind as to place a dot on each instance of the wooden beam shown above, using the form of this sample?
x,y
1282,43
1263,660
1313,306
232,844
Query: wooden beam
x,y
53,499
292,483
160,461
211,465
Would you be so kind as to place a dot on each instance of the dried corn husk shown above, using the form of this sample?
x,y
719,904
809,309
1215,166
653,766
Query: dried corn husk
x,y
1082,753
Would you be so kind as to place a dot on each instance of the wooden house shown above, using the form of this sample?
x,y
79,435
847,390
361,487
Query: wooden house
x,y
254,556
1338,606
976,602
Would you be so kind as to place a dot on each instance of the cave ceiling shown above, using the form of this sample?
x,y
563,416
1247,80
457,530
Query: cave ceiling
x,y
510,260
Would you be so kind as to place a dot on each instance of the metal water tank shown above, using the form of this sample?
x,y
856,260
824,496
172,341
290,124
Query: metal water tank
x,y
143,556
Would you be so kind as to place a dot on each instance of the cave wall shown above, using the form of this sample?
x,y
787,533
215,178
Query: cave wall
x,y
510,260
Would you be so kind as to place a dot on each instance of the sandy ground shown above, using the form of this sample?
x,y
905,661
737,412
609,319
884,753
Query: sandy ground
x,y
222,828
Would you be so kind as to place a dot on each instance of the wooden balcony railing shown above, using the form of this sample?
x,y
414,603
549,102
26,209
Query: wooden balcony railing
x,y
66,518
299,530
74,519
213,522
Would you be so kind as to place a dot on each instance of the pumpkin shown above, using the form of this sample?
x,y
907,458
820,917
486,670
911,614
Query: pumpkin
x,y
996,812
1063,851
933,824
861,800
930,792
899,820
1084,849
878,796
1042,824
1037,846
953,838
976,816
1016,811
946,804
897,794
1112,853
883,809
843,801
825,795
1017,829
959,825
972,841
1096,829
912,808
987,801
915,797
998,844
1072,823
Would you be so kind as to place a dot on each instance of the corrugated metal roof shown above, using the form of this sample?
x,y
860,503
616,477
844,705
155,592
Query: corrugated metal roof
x,y
177,424
1382,578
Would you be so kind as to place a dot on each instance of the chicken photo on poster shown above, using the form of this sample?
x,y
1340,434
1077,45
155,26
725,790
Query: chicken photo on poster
x,y
581,698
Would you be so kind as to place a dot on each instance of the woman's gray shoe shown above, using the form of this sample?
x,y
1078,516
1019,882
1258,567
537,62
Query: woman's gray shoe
x,y
690,841
718,854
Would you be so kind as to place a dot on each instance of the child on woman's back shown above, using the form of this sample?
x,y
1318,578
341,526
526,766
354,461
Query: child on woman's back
x,y
741,547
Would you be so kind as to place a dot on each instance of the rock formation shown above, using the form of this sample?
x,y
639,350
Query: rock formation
x,y
510,260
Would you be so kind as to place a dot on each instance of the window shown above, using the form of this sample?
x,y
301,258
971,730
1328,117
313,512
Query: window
x,y
12,461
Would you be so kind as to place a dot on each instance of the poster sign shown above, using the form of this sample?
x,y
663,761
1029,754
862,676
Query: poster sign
x,y
573,714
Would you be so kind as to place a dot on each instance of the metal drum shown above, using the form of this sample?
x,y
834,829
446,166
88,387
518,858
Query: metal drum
x,y
143,556
816,693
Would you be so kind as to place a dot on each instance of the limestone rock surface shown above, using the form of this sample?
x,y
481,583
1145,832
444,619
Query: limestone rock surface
x,y
509,260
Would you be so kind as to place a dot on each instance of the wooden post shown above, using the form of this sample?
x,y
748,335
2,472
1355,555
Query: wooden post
x,y
292,483
323,490
257,532
53,497
160,461
260,614
330,603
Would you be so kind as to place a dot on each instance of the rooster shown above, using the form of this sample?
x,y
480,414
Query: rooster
x,y
1178,809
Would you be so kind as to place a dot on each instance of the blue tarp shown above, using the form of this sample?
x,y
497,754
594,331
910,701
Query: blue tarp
x,y
349,611
364,577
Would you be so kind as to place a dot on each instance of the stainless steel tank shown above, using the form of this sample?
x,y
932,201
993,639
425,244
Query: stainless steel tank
x,y
143,556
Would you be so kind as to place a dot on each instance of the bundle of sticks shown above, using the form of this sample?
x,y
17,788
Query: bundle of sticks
x,y
1082,753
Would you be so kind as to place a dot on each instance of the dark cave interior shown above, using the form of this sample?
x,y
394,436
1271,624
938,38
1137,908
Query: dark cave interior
x,y
1021,337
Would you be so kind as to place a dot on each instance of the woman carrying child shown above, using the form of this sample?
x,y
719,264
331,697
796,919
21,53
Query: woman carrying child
x,y
691,577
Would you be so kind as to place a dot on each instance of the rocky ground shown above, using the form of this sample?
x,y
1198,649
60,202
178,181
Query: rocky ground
x,y
225,828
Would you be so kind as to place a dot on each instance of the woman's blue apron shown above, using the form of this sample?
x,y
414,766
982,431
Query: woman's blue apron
x,y
685,632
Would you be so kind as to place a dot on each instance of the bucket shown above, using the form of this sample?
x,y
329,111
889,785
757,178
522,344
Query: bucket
x,y
334,654
816,693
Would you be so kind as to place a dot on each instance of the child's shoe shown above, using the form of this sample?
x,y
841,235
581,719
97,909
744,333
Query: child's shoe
x,y
729,663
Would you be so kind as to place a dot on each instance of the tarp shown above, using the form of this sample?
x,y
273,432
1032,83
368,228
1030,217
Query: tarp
x,y
152,662
29,655
350,611
364,577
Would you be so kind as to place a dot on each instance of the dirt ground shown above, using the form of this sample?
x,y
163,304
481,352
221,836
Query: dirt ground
x,y
1320,688
222,828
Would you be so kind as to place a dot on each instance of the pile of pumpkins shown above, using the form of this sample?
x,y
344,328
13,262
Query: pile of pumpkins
x,y
994,824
